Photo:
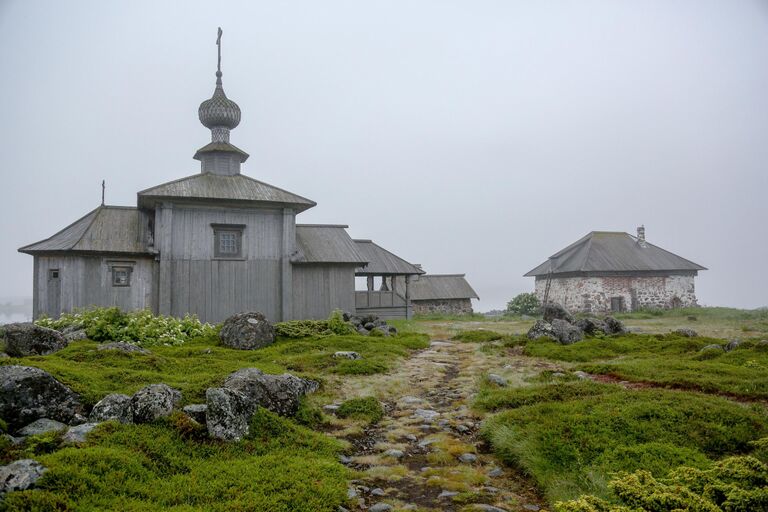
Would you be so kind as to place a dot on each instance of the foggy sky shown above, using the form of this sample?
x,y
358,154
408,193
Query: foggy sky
x,y
473,137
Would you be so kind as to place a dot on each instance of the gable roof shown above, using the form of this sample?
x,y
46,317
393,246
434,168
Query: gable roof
x,y
326,243
612,251
113,229
382,262
439,286
228,188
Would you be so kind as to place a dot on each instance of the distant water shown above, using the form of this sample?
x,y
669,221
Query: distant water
x,y
7,318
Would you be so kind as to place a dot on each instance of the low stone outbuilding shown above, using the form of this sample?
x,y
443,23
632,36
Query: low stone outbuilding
x,y
448,294
614,271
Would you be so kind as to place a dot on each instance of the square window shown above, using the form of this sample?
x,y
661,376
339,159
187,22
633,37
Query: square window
x,y
227,241
53,273
121,276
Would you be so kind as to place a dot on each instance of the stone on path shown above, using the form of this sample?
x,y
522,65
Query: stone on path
x,y
380,507
426,414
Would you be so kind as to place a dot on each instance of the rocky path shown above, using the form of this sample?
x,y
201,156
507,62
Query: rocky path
x,y
426,453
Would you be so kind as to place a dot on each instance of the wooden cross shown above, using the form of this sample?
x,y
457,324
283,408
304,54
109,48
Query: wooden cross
x,y
218,43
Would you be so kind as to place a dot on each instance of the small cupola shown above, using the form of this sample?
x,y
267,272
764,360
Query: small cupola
x,y
220,115
641,236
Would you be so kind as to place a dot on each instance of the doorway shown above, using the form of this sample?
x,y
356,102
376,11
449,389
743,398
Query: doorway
x,y
54,293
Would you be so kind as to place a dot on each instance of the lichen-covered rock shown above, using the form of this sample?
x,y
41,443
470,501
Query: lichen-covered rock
x,y
196,411
732,345
27,339
713,347
77,434
228,413
153,402
247,331
613,326
383,329
346,354
565,332
112,407
20,475
497,379
688,333
42,426
278,393
541,329
28,394
591,326
121,346
552,311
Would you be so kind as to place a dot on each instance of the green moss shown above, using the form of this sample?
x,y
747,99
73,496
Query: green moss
x,y
366,408
477,336
494,398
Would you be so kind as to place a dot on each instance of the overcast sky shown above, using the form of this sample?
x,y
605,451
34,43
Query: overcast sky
x,y
473,137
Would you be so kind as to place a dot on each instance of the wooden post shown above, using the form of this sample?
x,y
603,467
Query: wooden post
x,y
286,271
370,283
408,312
164,242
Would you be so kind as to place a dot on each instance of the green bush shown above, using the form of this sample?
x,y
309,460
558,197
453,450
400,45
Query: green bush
x,y
335,325
138,327
366,408
524,304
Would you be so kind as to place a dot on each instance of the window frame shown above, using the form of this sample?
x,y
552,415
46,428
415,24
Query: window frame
x,y
128,269
221,229
53,273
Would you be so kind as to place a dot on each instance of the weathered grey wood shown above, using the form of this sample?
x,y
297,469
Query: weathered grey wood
x,y
320,288
288,248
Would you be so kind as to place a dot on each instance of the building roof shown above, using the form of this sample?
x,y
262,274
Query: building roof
x,y
111,229
227,188
326,243
382,262
439,287
612,251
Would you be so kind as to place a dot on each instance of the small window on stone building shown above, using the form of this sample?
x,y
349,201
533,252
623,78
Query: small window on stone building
x,y
121,276
228,241
53,273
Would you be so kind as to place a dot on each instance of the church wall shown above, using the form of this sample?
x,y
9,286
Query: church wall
x,y
319,289
593,294
215,288
86,281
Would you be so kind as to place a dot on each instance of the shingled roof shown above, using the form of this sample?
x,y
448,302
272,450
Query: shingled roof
x,y
382,262
440,287
326,243
227,188
107,229
613,251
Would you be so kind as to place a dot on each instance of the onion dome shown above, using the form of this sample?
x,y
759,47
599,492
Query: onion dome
x,y
219,114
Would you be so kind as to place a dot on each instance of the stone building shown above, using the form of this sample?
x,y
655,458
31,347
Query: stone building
x,y
614,271
448,294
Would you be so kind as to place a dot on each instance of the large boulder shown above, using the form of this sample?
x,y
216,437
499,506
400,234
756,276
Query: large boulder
x,y
28,394
541,329
591,326
565,332
278,393
552,311
247,331
112,407
613,326
20,475
153,402
27,339
42,426
228,413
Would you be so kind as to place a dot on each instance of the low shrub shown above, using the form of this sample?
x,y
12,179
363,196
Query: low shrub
x,y
334,325
524,304
477,336
366,408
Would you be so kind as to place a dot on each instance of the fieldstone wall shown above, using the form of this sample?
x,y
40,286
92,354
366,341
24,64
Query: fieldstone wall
x,y
594,294
443,306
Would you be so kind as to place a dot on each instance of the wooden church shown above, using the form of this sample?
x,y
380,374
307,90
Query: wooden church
x,y
214,244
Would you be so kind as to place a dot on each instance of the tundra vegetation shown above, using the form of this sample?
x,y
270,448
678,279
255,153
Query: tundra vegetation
x,y
648,421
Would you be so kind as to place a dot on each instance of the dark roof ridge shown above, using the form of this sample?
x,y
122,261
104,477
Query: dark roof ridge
x,y
344,226
95,210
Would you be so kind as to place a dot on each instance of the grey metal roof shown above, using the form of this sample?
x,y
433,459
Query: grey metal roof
x,y
230,188
113,229
439,286
382,262
612,251
326,243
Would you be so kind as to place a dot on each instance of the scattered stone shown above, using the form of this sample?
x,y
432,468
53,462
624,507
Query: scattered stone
x,y
732,345
613,326
688,333
713,346
591,326
394,453
347,355
42,426
20,475
75,336
351,493
541,329
28,394
28,339
447,494
553,311
487,508
278,393
497,379
491,490
196,411
462,429
468,458
411,400
440,343
113,407
426,414
565,332
378,492
495,472
228,413
581,375
345,460
380,507
558,375
532,508
383,329
77,435
369,326
425,443
126,348
153,402
331,408
247,331
410,437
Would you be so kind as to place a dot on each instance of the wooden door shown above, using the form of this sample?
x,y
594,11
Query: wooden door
x,y
616,304
54,293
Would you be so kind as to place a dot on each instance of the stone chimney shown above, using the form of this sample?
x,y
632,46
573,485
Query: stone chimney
x,y
641,236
